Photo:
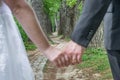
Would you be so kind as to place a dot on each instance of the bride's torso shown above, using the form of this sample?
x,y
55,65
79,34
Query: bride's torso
x,y
4,8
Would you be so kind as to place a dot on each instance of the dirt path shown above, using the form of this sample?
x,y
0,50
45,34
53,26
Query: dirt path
x,y
38,62
44,70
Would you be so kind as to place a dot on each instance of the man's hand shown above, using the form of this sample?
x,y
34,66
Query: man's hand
x,y
74,52
57,57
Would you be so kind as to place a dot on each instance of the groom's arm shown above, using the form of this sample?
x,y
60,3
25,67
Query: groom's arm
x,y
90,19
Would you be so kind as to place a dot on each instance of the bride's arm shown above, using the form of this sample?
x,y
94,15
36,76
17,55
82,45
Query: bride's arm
x,y
27,18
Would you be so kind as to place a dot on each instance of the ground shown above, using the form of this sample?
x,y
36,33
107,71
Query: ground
x,y
44,70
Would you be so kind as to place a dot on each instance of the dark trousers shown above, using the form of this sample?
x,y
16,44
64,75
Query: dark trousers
x,y
114,60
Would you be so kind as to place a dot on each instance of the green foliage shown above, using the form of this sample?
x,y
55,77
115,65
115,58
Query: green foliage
x,y
97,51
51,6
71,3
93,56
97,61
80,7
23,34
30,46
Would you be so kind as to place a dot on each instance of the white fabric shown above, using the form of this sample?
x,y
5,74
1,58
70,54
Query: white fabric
x,y
14,64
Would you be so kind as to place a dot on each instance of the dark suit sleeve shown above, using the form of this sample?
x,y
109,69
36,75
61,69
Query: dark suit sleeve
x,y
90,19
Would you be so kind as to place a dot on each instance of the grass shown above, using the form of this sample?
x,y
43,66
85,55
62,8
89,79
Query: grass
x,y
97,61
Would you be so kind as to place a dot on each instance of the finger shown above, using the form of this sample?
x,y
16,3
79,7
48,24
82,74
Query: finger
x,y
58,63
63,62
78,59
74,59
67,60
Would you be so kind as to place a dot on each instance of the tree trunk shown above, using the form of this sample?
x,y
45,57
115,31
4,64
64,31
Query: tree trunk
x,y
68,18
42,16
97,41
62,18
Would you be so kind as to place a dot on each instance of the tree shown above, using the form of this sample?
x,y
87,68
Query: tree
x,y
69,13
43,17
51,7
97,41
68,16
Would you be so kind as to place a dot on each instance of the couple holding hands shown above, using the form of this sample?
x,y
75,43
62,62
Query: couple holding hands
x,y
14,64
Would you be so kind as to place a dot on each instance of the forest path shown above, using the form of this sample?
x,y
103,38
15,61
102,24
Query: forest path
x,y
44,70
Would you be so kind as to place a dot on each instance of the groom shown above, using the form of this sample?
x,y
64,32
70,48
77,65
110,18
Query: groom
x,y
91,17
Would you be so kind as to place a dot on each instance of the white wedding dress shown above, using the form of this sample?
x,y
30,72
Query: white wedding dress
x,y
14,64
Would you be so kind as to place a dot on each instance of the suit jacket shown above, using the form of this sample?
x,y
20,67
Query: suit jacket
x,y
109,43
90,19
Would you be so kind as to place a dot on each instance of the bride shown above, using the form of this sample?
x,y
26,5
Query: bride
x,y
14,64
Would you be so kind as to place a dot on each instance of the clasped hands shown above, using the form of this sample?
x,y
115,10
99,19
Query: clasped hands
x,y
70,55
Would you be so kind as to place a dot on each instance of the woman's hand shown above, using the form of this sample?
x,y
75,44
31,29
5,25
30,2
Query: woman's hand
x,y
57,57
